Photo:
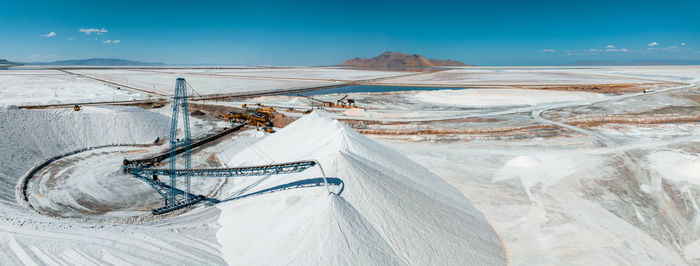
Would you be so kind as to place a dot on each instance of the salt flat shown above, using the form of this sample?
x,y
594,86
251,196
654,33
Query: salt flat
x,y
502,97
38,87
442,177
516,76
162,83
45,86
229,81
325,73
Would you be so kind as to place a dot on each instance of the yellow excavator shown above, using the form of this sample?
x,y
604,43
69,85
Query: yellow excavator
x,y
259,117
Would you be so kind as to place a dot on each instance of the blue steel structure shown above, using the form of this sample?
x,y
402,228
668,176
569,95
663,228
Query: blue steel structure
x,y
176,198
270,169
180,102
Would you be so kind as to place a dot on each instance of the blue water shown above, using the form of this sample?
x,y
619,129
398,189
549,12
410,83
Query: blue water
x,y
371,88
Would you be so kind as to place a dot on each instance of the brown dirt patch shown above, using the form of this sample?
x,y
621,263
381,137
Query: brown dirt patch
x,y
467,131
591,121
602,88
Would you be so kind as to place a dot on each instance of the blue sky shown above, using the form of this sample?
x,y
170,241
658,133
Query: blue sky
x,y
328,32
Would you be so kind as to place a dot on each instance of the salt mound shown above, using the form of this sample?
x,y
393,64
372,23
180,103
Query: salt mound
x,y
391,211
298,101
523,161
300,229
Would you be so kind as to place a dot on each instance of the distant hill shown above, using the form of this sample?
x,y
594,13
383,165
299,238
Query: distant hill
x,y
396,59
97,62
4,62
666,62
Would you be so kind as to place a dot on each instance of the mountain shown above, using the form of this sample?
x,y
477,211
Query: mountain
x,y
651,62
97,62
4,62
396,59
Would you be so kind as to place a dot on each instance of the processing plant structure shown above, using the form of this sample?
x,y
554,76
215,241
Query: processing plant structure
x,y
176,198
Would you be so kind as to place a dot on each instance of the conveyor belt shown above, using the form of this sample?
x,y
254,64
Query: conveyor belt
x,y
270,169
184,199
150,161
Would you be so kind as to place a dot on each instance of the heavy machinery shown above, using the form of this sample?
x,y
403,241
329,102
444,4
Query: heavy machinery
x,y
343,102
176,198
260,117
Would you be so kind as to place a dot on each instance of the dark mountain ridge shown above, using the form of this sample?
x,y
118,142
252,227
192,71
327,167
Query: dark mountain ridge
x,y
397,59
97,62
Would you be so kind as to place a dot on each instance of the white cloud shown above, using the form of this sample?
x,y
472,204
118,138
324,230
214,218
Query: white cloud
x,y
682,44
593,50
91,31
624,50
549,50
610,46
51,34
111,41
107,41
653,44
116,41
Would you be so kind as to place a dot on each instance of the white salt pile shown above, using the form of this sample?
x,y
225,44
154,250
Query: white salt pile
x,y
391,211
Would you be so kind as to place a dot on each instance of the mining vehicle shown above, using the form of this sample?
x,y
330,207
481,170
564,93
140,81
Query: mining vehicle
x,y
259,117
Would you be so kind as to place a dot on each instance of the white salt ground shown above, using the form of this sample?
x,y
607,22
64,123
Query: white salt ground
x,y
502,97
54,87
540,169
676,165
356,112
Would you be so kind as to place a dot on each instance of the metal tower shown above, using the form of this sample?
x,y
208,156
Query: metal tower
x,y
179,104
176,198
